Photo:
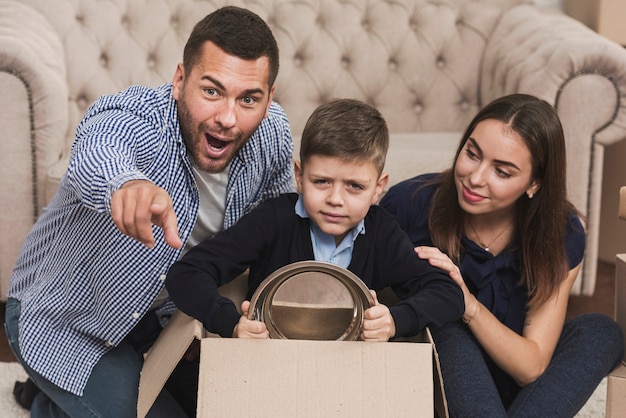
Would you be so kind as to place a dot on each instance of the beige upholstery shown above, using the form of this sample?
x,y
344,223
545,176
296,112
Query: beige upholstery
x,y
427,65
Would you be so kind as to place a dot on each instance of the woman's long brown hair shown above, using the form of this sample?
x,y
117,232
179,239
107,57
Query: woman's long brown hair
x,y
542,220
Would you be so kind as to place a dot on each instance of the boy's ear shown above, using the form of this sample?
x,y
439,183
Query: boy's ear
x,y
380,187
297,170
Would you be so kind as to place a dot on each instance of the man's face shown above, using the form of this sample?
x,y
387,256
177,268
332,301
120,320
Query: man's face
x,y
221,103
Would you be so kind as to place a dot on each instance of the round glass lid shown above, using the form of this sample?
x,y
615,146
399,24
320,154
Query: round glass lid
x,y
311,300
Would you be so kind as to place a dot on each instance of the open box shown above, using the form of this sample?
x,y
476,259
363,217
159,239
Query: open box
x,y
298,378
616,383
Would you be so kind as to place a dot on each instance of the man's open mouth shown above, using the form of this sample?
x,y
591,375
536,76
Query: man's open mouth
x,y
215,143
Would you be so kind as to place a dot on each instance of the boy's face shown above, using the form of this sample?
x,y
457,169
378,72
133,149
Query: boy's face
x,y
337,194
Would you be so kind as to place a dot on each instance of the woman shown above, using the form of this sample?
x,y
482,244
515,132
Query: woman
x,y
499,221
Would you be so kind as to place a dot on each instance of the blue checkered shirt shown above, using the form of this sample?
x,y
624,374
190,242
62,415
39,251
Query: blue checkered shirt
x,y
82,284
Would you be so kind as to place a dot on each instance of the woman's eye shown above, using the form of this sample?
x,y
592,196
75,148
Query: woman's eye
x,y
471,153
502,173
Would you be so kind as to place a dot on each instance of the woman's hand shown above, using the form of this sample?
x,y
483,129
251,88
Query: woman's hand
x,y
438,259
378,324
524,357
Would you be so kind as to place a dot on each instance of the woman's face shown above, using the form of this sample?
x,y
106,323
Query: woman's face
x,y
493,170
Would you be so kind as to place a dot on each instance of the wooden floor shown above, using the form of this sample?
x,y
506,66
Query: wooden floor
x,y
602,301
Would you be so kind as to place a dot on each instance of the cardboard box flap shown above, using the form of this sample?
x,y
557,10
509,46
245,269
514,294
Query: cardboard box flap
x,y
616,393
301,378
163,357
621,213
441,404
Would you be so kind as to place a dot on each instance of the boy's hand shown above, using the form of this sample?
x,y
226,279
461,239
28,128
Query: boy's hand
x,y
248,328
378,324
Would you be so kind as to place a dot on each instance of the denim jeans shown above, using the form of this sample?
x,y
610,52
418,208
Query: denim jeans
x,y
112,388
590,346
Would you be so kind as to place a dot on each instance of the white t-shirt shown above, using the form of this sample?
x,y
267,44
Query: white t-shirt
x,y
212,191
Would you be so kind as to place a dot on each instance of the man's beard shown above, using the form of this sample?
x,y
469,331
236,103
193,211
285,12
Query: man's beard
x,y
195,144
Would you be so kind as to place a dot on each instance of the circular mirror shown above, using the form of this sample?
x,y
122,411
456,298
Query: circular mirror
x,y
311,300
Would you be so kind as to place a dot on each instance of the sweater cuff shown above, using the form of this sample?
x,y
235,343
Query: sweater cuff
x,y
225,318
405,321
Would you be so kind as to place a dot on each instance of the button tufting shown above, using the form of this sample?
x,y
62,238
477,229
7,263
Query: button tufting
x,y
298,60
345,62
320,21
393,64
80,18
174,22
81,102
104,60
464,105
441,63
125,21
151,61
418,107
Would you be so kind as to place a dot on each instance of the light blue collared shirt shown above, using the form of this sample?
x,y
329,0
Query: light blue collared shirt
x,y
324,248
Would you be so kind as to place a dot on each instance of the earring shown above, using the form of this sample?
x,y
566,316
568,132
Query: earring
x,y
530,195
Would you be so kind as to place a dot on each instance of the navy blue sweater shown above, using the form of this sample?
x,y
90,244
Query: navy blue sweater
x,y
272,236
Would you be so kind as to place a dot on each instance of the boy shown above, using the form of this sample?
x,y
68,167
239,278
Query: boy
x,y
333,218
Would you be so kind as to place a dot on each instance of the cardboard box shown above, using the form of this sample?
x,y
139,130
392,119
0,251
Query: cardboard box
x,y
604,16
616,383
621,212
298,378
616,393
620,293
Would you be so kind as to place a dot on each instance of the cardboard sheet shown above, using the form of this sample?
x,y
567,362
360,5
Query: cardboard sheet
x,y
616,393
300,378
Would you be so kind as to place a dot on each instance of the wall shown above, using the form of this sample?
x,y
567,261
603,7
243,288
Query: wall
x,y
612,229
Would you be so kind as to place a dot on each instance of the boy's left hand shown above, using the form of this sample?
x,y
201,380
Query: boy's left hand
x,y
378,324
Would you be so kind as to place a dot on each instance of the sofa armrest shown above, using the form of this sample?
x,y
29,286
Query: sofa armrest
x,y
583,75
555,57
32,52
33,122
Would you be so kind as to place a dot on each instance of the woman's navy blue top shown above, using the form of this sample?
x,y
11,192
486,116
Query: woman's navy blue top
x,y
494,280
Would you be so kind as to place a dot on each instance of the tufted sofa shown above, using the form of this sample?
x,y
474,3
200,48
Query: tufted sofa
x,y
428,65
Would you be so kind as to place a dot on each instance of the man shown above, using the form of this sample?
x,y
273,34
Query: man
x,y
152,172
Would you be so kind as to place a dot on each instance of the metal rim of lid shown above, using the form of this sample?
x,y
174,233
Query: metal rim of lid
x,y
260,309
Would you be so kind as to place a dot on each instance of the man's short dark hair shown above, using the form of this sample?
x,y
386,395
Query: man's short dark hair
x,y
237,32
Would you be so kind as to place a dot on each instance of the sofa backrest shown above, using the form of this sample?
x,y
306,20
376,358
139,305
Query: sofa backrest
x,y
417,61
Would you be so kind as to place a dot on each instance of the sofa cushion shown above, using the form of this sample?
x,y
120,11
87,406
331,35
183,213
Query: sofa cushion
x,y
413,153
